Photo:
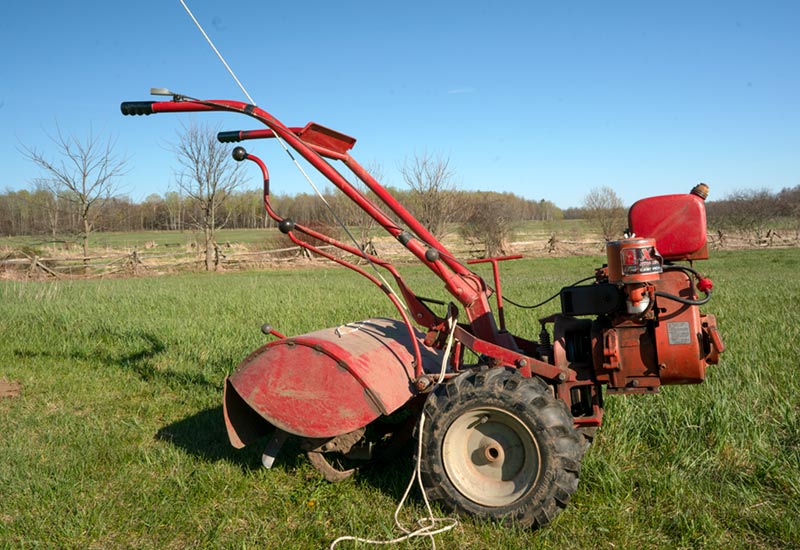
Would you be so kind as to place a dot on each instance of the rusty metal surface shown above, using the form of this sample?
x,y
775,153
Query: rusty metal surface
x,y
675,347
328,382
680,335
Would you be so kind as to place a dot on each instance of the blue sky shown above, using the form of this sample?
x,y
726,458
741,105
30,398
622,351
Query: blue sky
x,y
543,99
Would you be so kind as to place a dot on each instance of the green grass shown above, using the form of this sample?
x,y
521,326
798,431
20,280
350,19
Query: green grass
x,y
117,439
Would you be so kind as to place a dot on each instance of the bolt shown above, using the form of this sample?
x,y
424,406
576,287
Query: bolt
x,y
562,377
522,363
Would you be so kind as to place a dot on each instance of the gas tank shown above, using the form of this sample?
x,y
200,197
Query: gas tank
x,y
325,383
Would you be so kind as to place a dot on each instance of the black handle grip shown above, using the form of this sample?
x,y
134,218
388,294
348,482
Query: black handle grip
x,y
229,137
137,107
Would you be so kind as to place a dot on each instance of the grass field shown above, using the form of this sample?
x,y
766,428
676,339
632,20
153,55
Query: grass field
x,y
117,439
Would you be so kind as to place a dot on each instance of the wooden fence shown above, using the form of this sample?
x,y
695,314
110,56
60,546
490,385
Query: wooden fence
x,y
136,262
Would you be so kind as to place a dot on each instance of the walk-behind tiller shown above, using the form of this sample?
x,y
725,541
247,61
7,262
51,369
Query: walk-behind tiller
x,y
507,418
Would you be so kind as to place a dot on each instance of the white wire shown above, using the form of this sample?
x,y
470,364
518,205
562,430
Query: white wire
x,y
424,530
343,226
297,164
451,325
216,51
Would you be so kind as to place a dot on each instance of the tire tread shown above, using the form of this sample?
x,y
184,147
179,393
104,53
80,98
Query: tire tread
x,y
550,420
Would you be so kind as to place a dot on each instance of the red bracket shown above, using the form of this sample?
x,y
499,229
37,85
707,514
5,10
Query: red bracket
x,y
497,288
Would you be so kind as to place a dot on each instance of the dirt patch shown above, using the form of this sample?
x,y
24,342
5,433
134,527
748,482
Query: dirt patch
x,y
9,388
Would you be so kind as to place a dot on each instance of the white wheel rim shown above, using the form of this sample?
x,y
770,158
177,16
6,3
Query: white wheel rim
x,y
490,456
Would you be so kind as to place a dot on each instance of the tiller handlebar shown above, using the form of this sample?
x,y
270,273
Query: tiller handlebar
x,y
313,142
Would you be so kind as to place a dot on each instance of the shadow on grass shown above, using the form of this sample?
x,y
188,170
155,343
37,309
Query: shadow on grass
x,y
139,361
391,475
203,435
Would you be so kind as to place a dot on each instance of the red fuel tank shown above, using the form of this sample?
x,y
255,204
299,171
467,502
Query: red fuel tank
x,y
676,222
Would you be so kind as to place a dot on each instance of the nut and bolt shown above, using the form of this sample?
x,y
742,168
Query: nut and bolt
x,y
423,383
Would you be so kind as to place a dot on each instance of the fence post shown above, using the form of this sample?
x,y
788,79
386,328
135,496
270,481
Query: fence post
x,y
34,263
135,261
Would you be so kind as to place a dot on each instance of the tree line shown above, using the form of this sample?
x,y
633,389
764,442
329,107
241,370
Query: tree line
x,y
756,212
76,195
39,211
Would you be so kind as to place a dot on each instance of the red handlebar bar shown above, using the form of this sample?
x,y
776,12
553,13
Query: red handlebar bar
x,y
315,141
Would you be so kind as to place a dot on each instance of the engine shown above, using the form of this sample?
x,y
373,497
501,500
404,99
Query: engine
x,y
645,327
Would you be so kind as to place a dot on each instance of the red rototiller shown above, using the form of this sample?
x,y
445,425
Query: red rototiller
x,y
507,417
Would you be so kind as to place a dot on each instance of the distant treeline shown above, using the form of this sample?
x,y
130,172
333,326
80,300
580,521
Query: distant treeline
x,y
756,212
31,212
39,211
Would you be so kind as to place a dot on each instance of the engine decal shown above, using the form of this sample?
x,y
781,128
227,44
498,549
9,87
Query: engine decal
x,y
679,333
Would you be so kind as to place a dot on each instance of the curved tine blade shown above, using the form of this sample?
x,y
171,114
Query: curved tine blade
x,y
273,448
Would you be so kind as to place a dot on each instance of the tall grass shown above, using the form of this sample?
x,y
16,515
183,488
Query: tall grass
x,y
117,439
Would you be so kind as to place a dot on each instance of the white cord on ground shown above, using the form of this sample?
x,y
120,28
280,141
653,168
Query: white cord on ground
x,y
429,526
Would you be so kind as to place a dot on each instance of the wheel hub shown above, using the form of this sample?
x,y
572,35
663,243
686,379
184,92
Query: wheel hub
x,y
493,453
491,456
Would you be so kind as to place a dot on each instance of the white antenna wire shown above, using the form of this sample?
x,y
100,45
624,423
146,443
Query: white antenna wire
x,y
216,51
297,164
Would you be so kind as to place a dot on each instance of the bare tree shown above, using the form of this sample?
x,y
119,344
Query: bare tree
x,y
207,175
605,210
490,223
174,203
362,224
84,173
789,201
434,199
749,211
46,198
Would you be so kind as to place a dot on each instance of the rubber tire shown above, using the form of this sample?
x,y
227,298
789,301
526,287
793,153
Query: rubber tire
x,y
532,409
